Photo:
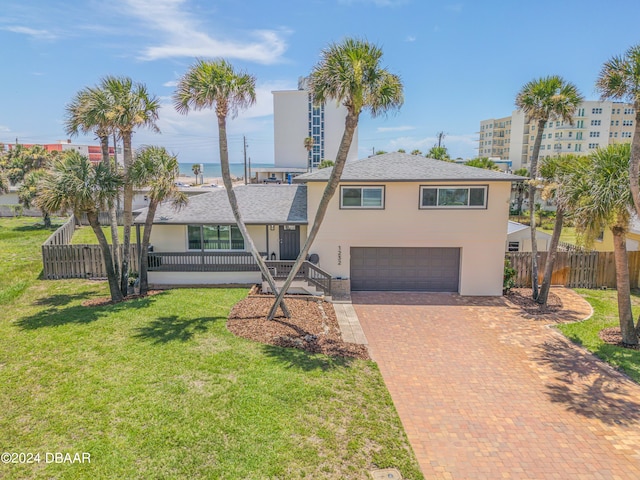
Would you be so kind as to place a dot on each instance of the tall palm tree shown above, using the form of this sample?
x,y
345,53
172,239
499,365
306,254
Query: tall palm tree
x,y
620,79
555,173
600,198
216,84
156,169
541,100
350,73
133,107
90,111
439,153
77,185
308,144
195,168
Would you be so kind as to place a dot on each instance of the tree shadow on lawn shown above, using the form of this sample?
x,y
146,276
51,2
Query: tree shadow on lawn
x,y
168,329
302,360
587,388
59,300
78,314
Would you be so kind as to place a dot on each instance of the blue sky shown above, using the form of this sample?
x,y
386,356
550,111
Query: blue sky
x,y
460,61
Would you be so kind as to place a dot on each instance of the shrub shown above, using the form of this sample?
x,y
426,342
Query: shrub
x,y
508,280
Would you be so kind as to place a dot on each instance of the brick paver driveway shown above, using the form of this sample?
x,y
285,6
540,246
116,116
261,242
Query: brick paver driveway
x,y
485,393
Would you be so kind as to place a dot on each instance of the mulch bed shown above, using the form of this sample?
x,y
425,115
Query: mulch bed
x,y
103,301
612,336
313,326
521,297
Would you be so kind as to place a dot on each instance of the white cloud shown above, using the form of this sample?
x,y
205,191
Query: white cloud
x,y
401,128
410,38
170,83
32,32
185,36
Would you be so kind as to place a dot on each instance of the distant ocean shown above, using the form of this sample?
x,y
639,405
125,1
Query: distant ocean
x,y
213,169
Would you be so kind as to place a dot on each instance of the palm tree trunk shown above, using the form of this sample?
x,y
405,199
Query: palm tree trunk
x,y
104,148
623,287
114,289
634,163
127,213
351,122
532,211
233,201
144,253
551,258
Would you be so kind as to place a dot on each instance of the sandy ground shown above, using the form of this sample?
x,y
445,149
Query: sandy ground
x,y
190,180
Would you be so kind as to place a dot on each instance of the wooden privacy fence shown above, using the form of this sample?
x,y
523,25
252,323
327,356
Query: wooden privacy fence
x,y
575,269
61,260
79,261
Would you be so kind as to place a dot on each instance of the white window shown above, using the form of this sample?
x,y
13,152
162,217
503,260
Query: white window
x,y
362,197
594,145
627,123
596,111
453,197
595,122
513,247
594,134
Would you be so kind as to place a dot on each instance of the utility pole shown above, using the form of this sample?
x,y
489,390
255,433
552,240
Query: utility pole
x,y
249,166
244,143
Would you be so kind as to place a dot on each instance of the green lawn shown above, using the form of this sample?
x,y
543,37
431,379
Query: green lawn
x,y
605,307
568,234
85,235
158,388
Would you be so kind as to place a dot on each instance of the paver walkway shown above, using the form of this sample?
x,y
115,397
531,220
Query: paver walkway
x,y
485,393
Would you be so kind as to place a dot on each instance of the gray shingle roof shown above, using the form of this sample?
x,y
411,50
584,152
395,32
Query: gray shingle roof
x,y
402,167
259,204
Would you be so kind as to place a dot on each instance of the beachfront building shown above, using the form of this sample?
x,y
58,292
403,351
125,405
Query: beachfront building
x,y
595,124
295,118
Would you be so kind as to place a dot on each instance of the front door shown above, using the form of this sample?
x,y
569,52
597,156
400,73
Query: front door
x,y
289,242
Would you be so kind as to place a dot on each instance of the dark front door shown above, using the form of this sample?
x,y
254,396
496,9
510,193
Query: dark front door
x,y
289,242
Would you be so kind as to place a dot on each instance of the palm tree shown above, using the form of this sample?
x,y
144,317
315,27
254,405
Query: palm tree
x,y
156,169
349,73
28,192
91,110
439,153
75,184
620,79
520,188
600,197
215,84
482,162
541,100
308,144
555,173
195,168
133,107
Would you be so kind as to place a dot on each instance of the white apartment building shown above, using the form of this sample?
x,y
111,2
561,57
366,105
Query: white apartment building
x,y
595,124
295,118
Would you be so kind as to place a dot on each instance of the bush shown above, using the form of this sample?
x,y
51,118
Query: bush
x,y
508,280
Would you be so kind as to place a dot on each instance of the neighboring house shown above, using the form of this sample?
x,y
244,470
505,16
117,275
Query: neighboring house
x,y
519,238
397,222
604,243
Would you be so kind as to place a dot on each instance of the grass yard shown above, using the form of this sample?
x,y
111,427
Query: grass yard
x,y
568,234
158,388
84,235
605,307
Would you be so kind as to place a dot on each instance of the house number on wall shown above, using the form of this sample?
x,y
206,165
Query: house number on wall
x,y
339,255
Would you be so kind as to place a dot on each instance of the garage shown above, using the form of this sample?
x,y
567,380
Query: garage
x,y
405,269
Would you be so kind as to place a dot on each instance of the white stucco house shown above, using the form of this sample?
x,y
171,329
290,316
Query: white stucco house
x,y
397,222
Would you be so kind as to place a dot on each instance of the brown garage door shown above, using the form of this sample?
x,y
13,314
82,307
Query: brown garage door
x,y
405,269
